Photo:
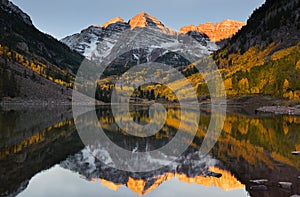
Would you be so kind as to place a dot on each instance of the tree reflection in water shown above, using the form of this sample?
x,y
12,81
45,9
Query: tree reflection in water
x,y
250,147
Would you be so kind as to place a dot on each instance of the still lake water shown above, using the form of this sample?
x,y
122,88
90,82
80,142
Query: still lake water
x,y
41,154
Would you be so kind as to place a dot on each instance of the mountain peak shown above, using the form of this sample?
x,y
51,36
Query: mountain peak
x,y
144,19
112,21
216,32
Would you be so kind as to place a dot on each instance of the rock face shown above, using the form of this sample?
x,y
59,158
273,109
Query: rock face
x,y
143,20
146,20
112,21
216,32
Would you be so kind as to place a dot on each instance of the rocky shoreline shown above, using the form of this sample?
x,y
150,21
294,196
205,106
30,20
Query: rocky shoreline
x,y
283,110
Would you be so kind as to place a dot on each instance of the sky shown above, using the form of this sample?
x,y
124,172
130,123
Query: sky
x,y
61,182
61,18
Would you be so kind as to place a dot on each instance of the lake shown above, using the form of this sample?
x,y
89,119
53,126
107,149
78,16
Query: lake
x,y
42,154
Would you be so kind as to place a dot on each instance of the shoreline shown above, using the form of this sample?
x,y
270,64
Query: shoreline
x,y
249,104
280,110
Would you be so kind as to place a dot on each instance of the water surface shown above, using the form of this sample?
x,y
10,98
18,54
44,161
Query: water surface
x,y
41,154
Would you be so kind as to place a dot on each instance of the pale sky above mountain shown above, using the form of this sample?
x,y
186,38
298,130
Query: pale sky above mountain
x,y
61,18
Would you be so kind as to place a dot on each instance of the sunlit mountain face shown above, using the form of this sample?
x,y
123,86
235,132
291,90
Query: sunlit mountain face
x,y
216,32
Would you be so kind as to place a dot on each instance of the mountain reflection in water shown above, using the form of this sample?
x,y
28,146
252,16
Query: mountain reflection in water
x,y
251,147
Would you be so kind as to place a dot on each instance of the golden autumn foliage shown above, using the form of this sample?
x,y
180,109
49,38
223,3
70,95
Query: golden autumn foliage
x,y
285,85
243,86
261,71
298,65
44,69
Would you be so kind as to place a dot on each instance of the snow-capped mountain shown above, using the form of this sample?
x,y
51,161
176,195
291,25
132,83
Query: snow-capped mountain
x,y
142,39
96,42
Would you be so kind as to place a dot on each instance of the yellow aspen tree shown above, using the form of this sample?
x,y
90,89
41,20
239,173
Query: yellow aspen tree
x,y
291,95
285,85
243,86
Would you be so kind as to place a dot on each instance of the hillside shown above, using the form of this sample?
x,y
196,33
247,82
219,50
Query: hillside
x,y
264,56
275,21
36,66
20,35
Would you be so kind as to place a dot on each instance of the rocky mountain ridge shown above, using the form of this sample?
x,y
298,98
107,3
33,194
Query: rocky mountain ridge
x,y
88,39
154,41
215,32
